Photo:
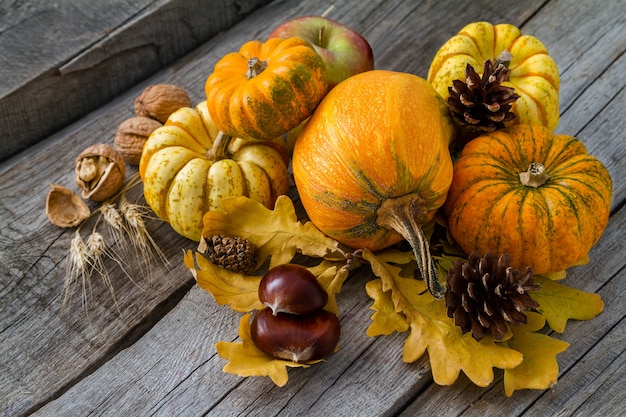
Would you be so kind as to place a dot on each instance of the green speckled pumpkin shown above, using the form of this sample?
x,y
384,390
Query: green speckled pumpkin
x,y
266,89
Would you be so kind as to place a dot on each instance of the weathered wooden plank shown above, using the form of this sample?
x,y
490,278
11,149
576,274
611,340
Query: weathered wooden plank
x,y
607,398
577,42
595,98
593,386
86,53
602,136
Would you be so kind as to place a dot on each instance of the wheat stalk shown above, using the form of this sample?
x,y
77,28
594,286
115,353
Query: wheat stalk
x,y
125,224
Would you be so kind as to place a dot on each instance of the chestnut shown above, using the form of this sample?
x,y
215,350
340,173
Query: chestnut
x,y
299,338
293,289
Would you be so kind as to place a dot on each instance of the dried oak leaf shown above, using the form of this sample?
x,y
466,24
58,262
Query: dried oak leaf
x,y
385,319
559,303
431,329
331,276
539,369
234,289
245,359
276,233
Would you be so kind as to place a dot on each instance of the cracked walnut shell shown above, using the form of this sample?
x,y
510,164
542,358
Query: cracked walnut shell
x,y
100,172
64,207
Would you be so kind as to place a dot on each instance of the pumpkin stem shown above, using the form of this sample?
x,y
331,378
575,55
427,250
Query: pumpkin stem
x,y
504,58
401,215
255,67
536,175
219,150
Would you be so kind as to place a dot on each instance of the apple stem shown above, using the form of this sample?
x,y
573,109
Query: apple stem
x,y
321,35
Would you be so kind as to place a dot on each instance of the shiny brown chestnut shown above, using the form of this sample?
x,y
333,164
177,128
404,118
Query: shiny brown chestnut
x,y
293,289
298,338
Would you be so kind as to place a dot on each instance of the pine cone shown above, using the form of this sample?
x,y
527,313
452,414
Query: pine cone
x,y
483,104
232,253
484,294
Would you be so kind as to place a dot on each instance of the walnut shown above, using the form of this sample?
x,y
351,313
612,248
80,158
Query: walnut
x,y
131,135
100,172
159,101
64,207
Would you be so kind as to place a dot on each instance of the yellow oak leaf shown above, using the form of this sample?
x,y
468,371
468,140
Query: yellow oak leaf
x,y
539,369
236,290
276,233
431,329
331,276
245,359
558,303
386,319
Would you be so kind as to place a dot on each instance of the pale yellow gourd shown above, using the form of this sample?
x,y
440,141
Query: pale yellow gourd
x,y
188,167
533,73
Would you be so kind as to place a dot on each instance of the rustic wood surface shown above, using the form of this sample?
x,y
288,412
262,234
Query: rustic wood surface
x,y
151,352
60,60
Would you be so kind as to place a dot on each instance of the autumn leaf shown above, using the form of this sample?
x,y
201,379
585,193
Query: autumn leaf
x,y
539,369
331,276
276,233
431,329
236,290
386,319
245,359
558,303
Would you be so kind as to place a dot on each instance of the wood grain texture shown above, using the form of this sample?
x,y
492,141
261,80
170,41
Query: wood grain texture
x,y
156,354
60,60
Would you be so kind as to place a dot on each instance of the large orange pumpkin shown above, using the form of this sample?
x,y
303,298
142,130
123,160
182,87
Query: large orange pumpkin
x,y
265,89
525,191
372,164
188,167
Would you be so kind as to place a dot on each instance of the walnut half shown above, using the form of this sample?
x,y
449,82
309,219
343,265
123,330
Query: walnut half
x,y
100,172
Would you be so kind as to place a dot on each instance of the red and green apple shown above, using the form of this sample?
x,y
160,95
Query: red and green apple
x,y
344,51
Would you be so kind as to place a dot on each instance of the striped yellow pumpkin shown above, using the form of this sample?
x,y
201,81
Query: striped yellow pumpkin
x,y
185,175
533,73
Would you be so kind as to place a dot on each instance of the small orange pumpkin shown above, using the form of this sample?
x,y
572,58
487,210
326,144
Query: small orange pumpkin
x,y
265,89
372,164
525,191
